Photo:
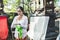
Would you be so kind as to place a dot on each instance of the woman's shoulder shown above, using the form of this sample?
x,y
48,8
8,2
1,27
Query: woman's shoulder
x,y
25,17
15,17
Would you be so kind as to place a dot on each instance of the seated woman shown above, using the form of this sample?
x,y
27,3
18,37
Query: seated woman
x,y
22,21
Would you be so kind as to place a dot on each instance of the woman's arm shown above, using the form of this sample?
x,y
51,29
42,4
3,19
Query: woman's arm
x,y
13,23
26,23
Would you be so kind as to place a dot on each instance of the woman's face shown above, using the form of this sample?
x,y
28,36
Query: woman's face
x,y
19,11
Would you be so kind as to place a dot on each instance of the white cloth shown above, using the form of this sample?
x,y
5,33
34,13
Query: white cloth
x,y
58,38
38,27
23,22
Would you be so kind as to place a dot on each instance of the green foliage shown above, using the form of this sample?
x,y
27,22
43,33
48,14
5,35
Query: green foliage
x,y
10,17
28,0
27,7
11,5
56,3
5,2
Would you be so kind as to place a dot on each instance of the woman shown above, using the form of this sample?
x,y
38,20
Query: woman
x,y
21,20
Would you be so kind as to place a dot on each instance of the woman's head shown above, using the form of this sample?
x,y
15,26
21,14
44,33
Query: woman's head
x,y
20,10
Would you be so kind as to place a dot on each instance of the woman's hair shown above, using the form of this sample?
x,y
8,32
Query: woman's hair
x,y
21,8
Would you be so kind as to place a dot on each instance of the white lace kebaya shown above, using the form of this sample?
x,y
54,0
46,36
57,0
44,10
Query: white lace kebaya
x,y
23,22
